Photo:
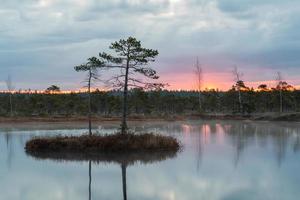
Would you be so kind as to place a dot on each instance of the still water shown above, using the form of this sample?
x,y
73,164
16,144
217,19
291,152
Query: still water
x,y
221,160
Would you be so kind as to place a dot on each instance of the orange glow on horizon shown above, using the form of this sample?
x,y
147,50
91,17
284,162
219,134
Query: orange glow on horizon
x,y
183,81
220,81
188,81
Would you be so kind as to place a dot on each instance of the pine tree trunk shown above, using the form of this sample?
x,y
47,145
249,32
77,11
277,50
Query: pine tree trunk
x,y
90,109
125,95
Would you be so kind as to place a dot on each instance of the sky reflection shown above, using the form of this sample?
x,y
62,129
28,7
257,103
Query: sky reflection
x,y
221,160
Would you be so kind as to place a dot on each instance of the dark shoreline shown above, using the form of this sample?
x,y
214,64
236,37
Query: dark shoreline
x,y
284,117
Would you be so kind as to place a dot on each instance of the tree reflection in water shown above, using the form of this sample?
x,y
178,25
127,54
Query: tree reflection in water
x,y
90,180
124,182
241,135
123,159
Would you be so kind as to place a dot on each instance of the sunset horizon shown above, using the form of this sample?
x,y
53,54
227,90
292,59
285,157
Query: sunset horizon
x,y
183,81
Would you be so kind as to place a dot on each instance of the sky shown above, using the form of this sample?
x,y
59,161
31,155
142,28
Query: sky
x,y
42,40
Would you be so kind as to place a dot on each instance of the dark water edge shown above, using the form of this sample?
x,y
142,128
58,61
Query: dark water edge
x,y
284,117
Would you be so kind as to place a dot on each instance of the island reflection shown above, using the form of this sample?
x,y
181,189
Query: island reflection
x,y
124,159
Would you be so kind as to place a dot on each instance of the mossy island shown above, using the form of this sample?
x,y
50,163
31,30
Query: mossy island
x,y
47,149
91,145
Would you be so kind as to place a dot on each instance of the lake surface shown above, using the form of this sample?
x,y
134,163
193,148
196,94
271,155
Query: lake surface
x,y
221,160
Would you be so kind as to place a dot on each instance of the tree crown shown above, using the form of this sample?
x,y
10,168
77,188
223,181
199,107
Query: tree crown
x,y
130,55
92,64
53,88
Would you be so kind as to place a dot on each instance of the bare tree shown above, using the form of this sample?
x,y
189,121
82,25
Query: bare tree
x,y
132,60
279,87
199,74
10,88
237,78
91,67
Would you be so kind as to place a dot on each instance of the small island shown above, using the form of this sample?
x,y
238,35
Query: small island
x,y
114,143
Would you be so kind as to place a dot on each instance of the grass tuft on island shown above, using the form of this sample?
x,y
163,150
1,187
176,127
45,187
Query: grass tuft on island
x,y
103,143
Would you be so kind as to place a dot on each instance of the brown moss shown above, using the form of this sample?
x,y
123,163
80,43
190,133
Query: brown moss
x,y
102,144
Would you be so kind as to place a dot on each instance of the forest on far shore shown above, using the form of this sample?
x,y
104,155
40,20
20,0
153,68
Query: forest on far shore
x,y
150,103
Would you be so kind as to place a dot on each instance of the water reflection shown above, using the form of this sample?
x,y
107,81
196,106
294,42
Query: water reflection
x,y
90,180
221,160
242,135
124,159
9,147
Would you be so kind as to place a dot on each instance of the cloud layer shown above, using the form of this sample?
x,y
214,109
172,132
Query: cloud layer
x,y
41,40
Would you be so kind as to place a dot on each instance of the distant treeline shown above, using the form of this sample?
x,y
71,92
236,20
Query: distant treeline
x,y
156,103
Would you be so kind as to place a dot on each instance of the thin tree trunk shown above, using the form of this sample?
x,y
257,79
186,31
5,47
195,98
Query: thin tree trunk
x,y
279,86
10,102
125,94
240,100
237,76
90,180
90,109
281,101
123,166
199,99
199,82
